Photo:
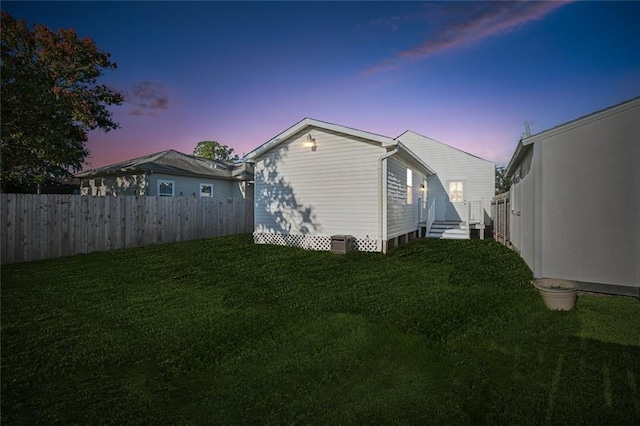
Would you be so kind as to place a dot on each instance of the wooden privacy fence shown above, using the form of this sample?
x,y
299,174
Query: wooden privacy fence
x,y
43,226
500,212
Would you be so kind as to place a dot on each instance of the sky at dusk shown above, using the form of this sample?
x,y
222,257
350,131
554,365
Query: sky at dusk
x,y
468,74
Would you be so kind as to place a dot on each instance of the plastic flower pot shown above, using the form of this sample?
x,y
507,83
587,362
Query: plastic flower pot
x,y
558,295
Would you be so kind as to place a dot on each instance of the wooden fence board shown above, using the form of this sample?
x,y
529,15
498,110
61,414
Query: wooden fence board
x,y
9,211
65,219
55,234
3,230
500,210
42,226
20,226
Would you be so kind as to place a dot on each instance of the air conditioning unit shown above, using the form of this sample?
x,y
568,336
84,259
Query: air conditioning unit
x,y
341,243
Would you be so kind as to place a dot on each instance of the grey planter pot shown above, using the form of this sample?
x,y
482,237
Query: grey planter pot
x,y
558,295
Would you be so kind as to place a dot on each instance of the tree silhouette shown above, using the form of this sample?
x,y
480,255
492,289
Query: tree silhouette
x,y
214,151
50,100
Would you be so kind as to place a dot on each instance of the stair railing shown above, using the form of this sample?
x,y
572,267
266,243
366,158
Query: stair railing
x,y
431,215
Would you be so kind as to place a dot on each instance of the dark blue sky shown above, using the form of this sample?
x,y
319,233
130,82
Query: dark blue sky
x,y
466,73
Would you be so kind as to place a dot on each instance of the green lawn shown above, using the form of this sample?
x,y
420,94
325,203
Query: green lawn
x,y
222,331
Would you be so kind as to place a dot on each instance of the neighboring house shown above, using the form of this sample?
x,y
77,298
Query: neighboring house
x,y
172,174
575,200
318,179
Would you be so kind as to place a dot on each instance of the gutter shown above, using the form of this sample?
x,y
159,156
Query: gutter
x,y
382,199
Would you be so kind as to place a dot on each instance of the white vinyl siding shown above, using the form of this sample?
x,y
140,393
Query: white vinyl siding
x,y
591,200
451,164
402,197
332,190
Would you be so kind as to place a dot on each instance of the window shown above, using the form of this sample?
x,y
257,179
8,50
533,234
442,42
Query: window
x,y
409,185
206,190
165,188
456,191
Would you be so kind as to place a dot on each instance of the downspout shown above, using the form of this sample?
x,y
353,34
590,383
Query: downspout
x,y
382,198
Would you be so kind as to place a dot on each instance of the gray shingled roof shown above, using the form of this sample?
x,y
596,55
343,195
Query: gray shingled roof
x,y
170,162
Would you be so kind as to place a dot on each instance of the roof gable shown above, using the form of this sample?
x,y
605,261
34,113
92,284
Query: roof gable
x,y
385,141
431,140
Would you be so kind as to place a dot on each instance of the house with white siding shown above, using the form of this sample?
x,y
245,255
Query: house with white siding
x,y
461,190
169,174
575,200
318,179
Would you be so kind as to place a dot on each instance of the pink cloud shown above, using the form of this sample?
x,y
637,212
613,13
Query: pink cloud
x,y
466,24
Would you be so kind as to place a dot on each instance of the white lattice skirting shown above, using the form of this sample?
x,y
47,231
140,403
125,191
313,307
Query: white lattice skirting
x,y
312,242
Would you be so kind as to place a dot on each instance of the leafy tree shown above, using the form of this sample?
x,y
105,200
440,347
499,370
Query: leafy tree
x,y
50,100
503,182
215,151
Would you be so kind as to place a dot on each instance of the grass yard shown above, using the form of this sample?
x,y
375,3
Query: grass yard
x,y
222,331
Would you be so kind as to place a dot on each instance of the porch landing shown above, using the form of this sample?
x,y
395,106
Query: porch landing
x,y
451,230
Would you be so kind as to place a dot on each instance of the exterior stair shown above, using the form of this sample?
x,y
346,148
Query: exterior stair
x,y
449,230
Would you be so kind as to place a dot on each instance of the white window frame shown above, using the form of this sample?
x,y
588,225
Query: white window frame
x,y
409,186
210,194
173,187
460,191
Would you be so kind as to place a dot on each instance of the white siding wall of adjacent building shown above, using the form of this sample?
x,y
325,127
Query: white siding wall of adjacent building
x,y
591,201
187,186
332,190
580,202
402,199
522,210
451,164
